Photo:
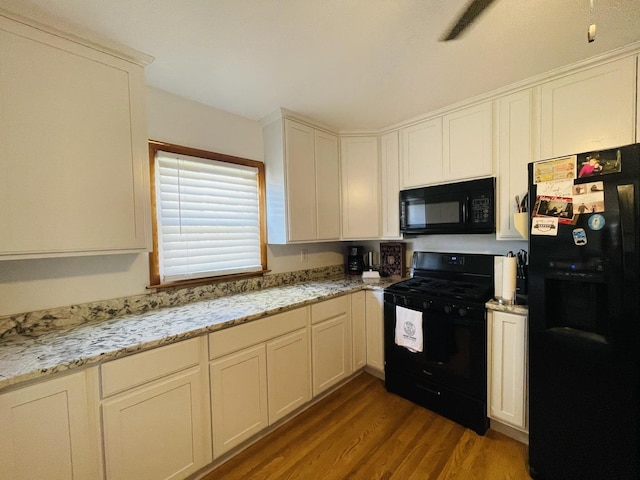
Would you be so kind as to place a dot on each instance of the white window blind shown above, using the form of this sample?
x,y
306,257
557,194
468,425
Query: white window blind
x,y
208,217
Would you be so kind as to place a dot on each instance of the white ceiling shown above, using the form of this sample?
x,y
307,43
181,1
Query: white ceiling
x,y
350,64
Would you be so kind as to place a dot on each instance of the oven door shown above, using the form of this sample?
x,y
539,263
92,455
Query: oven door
x,y
454,350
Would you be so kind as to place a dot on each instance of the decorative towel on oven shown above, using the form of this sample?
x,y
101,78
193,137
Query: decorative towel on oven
x,y
409,329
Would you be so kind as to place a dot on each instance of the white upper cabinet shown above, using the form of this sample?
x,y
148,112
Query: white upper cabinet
x,y
421,154
455,146
513,153
390,183
74,159
303,182
468,143
360,187
593,109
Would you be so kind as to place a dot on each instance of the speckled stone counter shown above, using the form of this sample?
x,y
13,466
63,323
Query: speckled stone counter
x,y
38,353
518,309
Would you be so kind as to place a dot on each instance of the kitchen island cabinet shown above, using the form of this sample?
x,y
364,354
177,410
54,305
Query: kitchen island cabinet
x,y
303,181
592,109
507,369
48,431
360,172
74,145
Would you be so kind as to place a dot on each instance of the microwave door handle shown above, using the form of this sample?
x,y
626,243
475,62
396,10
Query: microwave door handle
x,y
465,210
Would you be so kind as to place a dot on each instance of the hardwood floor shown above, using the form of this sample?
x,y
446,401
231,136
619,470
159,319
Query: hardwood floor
x,y
363,432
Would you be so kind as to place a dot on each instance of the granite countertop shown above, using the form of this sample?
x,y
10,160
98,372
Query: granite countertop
x,y
26,357
518,309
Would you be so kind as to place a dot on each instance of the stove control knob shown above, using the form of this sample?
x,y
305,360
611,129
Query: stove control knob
x,y
463,312
426,304
447,309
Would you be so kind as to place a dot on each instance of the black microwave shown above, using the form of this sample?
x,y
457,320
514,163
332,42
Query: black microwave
x,y
462,207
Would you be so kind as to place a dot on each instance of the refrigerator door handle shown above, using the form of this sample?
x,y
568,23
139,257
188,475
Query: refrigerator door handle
x,y
626,205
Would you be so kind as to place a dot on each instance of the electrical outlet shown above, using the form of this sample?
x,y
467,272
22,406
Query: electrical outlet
x,y
304,255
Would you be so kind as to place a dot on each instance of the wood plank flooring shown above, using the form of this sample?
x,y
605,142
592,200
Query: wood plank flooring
x,y
363,432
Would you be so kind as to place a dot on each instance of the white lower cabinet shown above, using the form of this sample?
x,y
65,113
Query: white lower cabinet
x,y
158,428
259,373
331,347
239,397
507,379
359,330
375,330
47,431
288,374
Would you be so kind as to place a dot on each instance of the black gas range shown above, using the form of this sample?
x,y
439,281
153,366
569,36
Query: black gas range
x,y
435,335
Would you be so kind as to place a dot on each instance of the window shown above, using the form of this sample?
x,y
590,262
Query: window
x,y
208,215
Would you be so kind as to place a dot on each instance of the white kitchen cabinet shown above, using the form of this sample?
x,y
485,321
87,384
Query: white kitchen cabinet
x,y
303,182
513,153
288,374
467,145
156,415
593,109
48,431
260,372
421,154
390,185
360,172
74,157
507,379
331,344
239,397
358,330
375,330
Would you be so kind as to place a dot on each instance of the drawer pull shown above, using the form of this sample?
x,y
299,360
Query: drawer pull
x,y
435,392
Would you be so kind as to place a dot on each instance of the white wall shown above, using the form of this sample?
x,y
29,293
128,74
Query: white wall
x,y
29,285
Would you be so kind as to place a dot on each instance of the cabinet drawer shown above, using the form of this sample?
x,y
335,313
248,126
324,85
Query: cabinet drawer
x,y
128,372
329,309
241,336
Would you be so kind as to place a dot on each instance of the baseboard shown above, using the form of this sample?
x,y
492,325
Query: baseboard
x,y
519,435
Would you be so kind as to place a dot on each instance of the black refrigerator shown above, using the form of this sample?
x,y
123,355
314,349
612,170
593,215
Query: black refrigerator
x,y
584,322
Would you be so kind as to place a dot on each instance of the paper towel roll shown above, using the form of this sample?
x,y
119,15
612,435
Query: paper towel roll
x,y
509,267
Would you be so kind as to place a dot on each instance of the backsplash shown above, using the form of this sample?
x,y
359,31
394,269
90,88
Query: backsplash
x,y
36,323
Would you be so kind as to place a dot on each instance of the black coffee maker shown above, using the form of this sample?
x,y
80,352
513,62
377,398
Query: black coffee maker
x,y
355,260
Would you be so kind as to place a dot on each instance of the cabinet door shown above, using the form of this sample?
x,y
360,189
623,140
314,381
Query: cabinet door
x,y
375,328
421,155
301,181
589,110
288,374
390,182
74,148
468,142
46,432
239,397
507,368
513,154
159,431
358,330
331,352
360,188
327,186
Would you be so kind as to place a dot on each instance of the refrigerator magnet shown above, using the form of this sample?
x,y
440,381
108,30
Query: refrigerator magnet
x,y
544,226
596,222
579,236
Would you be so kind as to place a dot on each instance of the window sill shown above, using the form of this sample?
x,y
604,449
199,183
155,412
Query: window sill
x,y
206,280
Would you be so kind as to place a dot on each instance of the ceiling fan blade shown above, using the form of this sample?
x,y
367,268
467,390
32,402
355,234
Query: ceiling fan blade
x,y
475,8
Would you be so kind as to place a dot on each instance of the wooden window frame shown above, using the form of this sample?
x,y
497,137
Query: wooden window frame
x,y
154,261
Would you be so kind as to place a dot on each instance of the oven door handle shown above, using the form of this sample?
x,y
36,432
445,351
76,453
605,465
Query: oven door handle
x,y
430,390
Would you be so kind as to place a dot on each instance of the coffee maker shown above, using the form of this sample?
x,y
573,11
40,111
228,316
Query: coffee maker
x,y
355,260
